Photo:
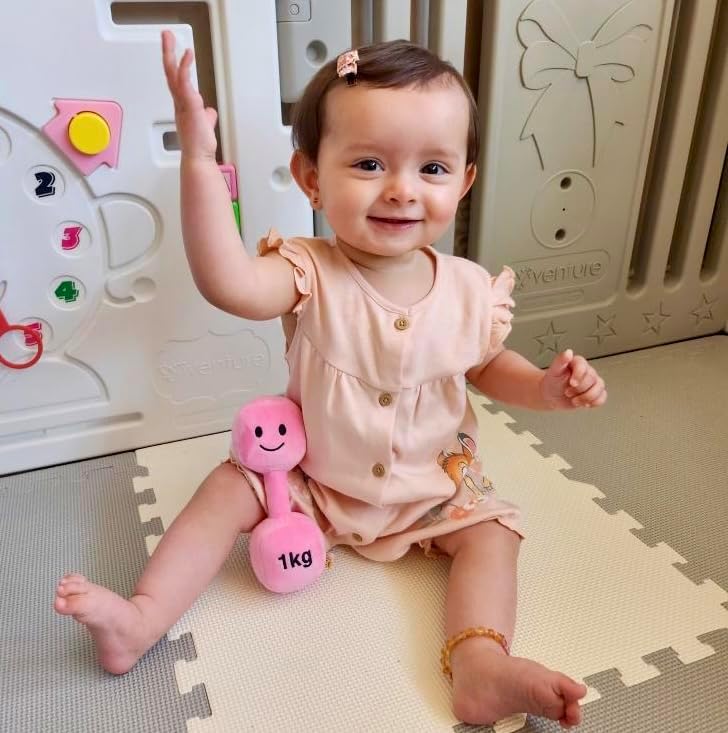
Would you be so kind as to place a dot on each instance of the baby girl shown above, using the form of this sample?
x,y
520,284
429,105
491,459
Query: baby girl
x,y
383,334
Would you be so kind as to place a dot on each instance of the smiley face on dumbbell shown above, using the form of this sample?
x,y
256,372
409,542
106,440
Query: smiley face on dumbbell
x,y
282,430
268,435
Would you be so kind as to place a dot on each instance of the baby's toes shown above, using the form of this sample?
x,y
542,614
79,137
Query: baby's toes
x,y
556,693
572,715
77,605
60,603
71,578
571,690
72,586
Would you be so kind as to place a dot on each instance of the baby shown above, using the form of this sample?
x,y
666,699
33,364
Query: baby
x,y
384,334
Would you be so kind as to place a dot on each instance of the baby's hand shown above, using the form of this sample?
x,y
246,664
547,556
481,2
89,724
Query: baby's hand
x,y
571,382
195,122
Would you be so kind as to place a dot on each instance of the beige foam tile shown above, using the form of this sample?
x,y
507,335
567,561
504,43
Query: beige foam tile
x,y
556,462
589,491
608,599
359,650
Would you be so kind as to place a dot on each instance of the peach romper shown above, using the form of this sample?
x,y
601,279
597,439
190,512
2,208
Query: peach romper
x,y
392,456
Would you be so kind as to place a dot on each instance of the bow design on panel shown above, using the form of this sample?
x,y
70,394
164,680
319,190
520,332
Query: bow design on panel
x,y
555,59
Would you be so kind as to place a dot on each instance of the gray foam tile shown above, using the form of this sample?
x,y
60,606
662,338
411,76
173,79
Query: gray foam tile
x,y
81,517
682,698
657,449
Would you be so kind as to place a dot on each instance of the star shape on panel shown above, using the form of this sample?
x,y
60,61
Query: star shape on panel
x,y
549,341
654,321
704,311
605,328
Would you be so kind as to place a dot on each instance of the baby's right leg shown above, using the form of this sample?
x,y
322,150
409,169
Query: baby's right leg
x,y
188,557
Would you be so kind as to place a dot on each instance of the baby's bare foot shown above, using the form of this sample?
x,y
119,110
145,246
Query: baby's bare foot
x,y
116,625
489,686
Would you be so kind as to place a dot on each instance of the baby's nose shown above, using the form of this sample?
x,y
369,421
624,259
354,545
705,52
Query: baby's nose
x,y
401,189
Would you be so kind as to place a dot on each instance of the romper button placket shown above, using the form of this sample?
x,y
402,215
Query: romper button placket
x,y
385,399
378,470
401,324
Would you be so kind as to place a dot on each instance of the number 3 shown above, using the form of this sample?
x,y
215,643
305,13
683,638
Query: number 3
x,y
71,238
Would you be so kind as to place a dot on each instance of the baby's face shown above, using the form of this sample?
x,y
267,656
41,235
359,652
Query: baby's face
x,y
392,164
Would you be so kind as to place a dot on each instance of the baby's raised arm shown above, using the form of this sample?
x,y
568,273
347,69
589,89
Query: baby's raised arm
x,y
256,288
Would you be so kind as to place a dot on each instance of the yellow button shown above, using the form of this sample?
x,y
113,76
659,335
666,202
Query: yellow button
x,y
385,399
378,470
401,324
89,133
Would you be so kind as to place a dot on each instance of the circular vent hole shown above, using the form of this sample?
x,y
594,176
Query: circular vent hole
x,y
316,53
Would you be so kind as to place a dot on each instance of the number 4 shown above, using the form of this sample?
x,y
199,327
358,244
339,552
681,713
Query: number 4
x,y
67,291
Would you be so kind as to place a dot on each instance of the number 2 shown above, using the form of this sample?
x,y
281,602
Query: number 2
x,y
45,186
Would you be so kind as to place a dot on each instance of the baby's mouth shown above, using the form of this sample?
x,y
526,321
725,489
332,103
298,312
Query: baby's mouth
x,y
271,450
392,221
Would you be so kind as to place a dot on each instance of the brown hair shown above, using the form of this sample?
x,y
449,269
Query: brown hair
x,y
391,64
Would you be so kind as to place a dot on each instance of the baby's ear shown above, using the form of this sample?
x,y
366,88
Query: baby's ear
x,y
304,173
471,171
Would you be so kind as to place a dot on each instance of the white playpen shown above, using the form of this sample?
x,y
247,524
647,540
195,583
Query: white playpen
x,y
602,183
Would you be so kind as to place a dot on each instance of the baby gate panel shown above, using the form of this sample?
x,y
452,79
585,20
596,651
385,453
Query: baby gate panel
x,y
91,258
604,136
91,253
605,129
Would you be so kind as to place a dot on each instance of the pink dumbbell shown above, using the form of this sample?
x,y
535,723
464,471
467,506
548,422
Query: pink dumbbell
x,y
287,549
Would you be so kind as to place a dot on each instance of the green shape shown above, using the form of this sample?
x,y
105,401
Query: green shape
x,y
67,291
236,211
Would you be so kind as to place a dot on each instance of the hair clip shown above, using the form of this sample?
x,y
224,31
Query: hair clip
x,y
346,66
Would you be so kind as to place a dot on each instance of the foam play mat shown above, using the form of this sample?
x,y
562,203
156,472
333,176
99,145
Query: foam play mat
x,y
623,581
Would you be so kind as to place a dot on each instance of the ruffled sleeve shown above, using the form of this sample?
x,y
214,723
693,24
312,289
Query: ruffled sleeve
x,y
298,256
501,304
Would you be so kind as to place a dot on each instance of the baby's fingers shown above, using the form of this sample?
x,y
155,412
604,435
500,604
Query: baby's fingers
x,y
169,60
595,396
211,113
579,369
178,76
183,73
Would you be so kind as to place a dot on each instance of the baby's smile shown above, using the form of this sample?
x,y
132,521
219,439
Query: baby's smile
x,y
393,222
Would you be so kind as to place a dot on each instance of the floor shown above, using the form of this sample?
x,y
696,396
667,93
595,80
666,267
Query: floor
x,y
623,581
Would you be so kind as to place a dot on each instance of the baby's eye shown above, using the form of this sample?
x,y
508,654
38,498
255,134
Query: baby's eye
x,y
369,165
433,169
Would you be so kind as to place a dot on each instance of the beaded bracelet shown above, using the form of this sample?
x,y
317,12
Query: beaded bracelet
x,y
453,641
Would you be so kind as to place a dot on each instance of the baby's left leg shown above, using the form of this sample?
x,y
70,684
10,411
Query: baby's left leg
x,y
489,685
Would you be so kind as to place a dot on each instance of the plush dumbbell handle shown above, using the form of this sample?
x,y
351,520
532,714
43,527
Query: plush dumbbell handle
x,y
276,493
